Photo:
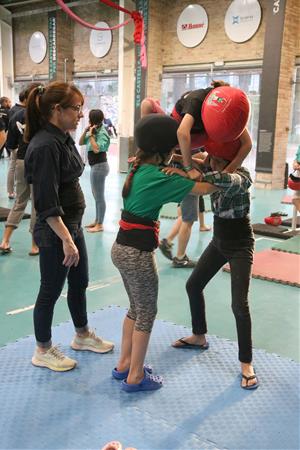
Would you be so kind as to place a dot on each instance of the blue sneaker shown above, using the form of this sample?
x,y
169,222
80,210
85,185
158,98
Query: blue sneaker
x,y
148,383
123,375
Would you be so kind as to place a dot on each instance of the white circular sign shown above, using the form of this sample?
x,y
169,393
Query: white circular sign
x,y
100,41
192,25
242,20
37,47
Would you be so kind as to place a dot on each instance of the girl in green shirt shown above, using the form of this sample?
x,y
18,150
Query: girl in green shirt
x,y
146,189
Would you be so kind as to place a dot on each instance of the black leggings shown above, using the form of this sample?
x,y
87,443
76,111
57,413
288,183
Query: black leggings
x,y
239,254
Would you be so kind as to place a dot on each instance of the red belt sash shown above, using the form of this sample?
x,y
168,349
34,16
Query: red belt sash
x,y
127,226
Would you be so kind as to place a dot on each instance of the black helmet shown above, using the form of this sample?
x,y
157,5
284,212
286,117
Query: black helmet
x,y
156,133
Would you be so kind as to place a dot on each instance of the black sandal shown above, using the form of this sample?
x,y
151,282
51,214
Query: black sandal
x,y
252,386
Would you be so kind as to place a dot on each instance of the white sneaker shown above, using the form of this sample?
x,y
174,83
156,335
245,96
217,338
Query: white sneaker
x,y
53,359
92,343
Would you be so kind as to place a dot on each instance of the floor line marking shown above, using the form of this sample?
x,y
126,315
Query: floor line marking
x,y
93,286
268,239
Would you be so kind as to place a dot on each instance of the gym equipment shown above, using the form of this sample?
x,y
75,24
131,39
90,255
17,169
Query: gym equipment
x,y
40,407
225,113
272,265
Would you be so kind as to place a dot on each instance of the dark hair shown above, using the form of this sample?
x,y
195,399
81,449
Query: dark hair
x,y
218,83
29,88
3,100
155,134
41,101
22,97
96,117
140,158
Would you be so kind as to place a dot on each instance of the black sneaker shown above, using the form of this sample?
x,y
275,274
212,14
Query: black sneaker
x,y
185,262
166,249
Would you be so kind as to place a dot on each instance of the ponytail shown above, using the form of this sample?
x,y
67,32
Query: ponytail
x,y
139,159
33,117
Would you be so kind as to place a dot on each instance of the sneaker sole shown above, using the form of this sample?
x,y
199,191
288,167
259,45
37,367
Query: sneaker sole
x,y
48,366
90,349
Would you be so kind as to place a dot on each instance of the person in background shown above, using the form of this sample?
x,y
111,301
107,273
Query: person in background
x,y
53,167
296,176
110,128
146,189
11,174
16,142
5,106
97,142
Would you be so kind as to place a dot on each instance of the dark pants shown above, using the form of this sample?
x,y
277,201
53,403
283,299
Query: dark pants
x,y
239,254
201,204
53,277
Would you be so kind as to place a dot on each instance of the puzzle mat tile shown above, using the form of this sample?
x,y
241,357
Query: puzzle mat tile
x,y
201,405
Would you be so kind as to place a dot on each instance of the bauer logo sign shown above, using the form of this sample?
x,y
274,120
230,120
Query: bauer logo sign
x,y
192,25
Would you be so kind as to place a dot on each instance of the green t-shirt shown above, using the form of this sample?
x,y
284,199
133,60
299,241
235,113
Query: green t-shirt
x,y
151,189
101,137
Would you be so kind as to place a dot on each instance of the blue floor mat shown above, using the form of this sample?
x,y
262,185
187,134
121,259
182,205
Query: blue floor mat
x,y
201,405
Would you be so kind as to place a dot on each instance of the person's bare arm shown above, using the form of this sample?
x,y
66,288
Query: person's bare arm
x,y
184,138
203,188
246,145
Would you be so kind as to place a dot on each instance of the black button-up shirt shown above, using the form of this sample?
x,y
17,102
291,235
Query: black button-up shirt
x,y
52,166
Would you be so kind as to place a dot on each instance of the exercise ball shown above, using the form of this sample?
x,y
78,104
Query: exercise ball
x,y
225,113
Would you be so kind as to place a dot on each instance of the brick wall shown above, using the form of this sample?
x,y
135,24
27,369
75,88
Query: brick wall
x,y
215,47
23,28
84,59
72,40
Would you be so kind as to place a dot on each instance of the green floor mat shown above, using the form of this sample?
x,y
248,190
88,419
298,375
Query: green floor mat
x,y
290,246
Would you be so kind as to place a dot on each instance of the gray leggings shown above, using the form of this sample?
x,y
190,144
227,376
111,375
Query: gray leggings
x,y
139,273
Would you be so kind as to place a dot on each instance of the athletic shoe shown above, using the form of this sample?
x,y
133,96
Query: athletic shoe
x,y
92,343
53,359
166,248
185,262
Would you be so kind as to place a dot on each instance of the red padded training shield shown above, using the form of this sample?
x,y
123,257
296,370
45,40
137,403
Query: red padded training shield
x,y
225,113
225,150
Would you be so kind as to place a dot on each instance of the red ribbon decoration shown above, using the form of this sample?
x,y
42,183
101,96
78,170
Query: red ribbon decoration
x,y
138,36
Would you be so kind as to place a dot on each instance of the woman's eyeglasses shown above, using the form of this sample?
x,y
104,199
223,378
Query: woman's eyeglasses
x,y
77,108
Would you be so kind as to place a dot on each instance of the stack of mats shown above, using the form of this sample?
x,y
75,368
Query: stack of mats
x,y
273,265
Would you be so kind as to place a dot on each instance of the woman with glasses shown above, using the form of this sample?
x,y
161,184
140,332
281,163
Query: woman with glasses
x,y
97,141
53,167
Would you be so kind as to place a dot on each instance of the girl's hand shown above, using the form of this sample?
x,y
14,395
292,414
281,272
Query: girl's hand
x,y
172,170
131,159
195,175
71,254
93,129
